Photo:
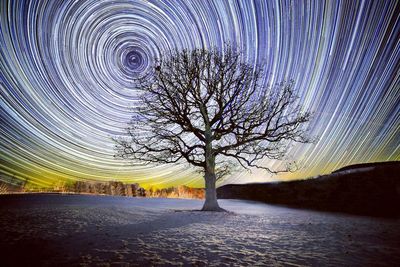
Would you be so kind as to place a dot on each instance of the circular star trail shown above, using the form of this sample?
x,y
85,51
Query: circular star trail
x,y
67,70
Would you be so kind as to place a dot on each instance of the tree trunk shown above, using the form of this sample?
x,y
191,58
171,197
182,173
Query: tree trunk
x,y
211,203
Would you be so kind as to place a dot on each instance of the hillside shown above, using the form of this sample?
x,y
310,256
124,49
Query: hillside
x,y
367,189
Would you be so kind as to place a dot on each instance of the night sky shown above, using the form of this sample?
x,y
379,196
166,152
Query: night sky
x,y
67,89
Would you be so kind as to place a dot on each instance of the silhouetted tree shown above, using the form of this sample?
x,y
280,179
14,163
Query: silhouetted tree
x,y
210,108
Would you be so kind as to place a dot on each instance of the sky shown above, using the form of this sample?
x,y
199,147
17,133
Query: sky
x,y
66,84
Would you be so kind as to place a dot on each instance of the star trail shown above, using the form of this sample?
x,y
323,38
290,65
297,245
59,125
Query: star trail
x,y
67,87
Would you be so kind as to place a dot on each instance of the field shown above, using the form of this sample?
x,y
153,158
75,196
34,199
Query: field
x,y
70,230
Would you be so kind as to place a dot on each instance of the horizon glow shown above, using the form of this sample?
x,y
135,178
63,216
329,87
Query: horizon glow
x,y
67,67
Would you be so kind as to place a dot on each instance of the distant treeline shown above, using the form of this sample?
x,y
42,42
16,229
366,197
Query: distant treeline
x,y
111,188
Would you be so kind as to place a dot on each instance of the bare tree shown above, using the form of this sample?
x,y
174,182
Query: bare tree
x,y
211,109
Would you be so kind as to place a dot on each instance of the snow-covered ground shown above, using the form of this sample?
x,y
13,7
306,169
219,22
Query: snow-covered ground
x,y
117,231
